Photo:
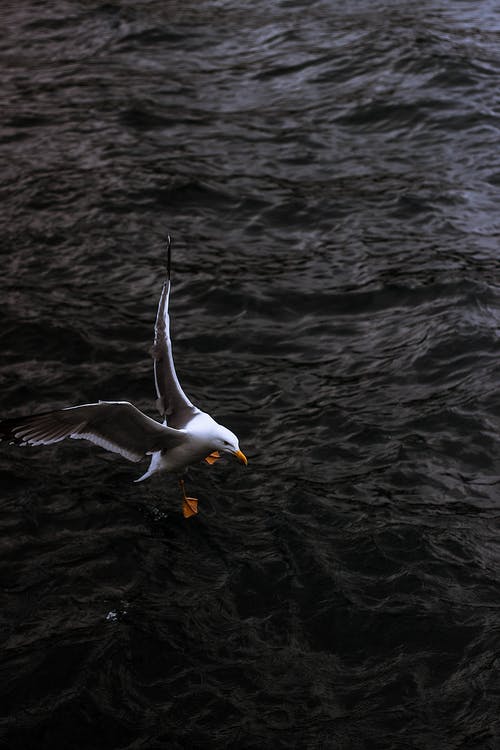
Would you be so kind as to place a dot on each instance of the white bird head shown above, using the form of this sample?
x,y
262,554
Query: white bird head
x,y
227,442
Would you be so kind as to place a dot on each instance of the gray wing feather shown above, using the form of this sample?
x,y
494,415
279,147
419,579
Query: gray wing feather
x,y
173,404
117,426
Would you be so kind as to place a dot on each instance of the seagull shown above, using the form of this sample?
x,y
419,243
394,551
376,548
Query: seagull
x,y
186,436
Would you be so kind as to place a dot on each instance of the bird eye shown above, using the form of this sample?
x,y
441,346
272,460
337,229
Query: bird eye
x,y
225,442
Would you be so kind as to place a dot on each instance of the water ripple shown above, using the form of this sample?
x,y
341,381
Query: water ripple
x,y
329,177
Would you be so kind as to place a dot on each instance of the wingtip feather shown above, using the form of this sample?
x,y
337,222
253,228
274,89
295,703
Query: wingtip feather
x,y
169,255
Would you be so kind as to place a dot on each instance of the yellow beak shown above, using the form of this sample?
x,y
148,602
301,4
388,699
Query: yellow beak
x,y
241,457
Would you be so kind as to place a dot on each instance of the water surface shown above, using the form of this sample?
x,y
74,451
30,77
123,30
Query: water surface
x,y
330,175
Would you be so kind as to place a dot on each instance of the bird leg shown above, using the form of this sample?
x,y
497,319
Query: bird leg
x,y
189,504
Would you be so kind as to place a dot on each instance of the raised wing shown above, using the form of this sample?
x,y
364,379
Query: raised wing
x,y
116,426
173,404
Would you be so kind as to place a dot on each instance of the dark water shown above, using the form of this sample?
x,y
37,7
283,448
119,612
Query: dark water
x,y
330,173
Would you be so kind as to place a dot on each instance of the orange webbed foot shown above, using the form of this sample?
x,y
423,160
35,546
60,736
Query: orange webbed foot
x,y
213,457
189,507
189,504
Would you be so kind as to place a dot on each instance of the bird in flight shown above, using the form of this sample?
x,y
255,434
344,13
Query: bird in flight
x,y
186,436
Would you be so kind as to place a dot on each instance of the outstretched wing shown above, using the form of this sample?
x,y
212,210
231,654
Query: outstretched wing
x,y
173,404
116,426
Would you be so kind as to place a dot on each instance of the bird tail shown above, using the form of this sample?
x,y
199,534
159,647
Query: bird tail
x,y
154,466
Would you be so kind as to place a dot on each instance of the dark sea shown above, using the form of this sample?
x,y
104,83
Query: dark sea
x,y
330,175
